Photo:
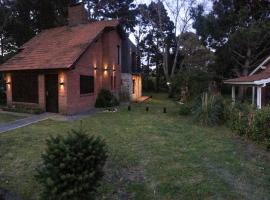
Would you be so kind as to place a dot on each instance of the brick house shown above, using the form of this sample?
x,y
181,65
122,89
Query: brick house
x,y
63,69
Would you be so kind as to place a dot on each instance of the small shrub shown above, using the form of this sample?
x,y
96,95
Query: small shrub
x,y
245,120
185,109
239,118
208,110
72,166
106,99
261,126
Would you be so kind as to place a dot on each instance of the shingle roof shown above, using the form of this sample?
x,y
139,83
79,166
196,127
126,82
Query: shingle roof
x,y
252,78
57,48
265,74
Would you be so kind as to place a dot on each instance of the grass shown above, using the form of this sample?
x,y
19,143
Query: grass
x,y
4,118
152,156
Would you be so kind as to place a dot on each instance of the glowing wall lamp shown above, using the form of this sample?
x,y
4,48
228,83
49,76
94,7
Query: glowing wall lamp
x,y
62,80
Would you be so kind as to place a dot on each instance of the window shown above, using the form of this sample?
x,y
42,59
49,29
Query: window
x,y
118,54
25,87
87,84
133,86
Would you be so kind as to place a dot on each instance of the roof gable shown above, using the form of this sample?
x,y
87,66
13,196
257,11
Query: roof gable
x,y
57,48
263,66
256,77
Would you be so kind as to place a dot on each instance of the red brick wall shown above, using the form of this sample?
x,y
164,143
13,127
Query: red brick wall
x,y
103,55
41,92
9,88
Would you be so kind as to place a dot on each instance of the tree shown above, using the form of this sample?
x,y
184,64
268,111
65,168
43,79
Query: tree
x,y
158,38
50,13
120,9
165,34
195,56
239,29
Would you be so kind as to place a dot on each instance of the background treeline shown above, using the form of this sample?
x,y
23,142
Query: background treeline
x,y
180,42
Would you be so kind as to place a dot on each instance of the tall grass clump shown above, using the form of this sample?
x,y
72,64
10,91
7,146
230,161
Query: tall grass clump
x,y
208,110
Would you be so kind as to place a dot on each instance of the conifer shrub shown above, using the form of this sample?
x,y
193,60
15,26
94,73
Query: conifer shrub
x,y
106,99
72,166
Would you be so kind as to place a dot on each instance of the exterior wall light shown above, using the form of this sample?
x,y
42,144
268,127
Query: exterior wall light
x,y
62,83
95,68
8,82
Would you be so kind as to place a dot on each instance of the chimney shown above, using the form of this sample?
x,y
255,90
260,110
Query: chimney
x,y
77,14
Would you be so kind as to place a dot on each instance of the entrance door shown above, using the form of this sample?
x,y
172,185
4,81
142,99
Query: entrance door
x,y
51,85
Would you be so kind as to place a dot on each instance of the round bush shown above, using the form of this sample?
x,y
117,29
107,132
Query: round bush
x,y
72,166
106,99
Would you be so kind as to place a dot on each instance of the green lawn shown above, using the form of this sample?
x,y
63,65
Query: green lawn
x,y
152,156
4,118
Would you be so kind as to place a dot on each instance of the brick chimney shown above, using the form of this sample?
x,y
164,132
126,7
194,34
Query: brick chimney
x,y
77,14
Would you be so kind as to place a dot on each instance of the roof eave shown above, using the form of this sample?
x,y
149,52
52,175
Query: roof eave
x,y
256,83
238,83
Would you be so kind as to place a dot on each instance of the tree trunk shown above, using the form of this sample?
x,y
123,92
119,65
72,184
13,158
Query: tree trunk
x,y
157,79
245,72
2,48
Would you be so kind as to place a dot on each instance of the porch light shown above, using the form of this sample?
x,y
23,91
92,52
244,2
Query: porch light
x,y
62,83
95,68
8,83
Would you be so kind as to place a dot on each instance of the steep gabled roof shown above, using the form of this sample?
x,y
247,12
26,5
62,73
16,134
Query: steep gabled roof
x,y
57,48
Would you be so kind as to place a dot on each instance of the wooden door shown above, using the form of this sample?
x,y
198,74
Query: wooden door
x,y
51,85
